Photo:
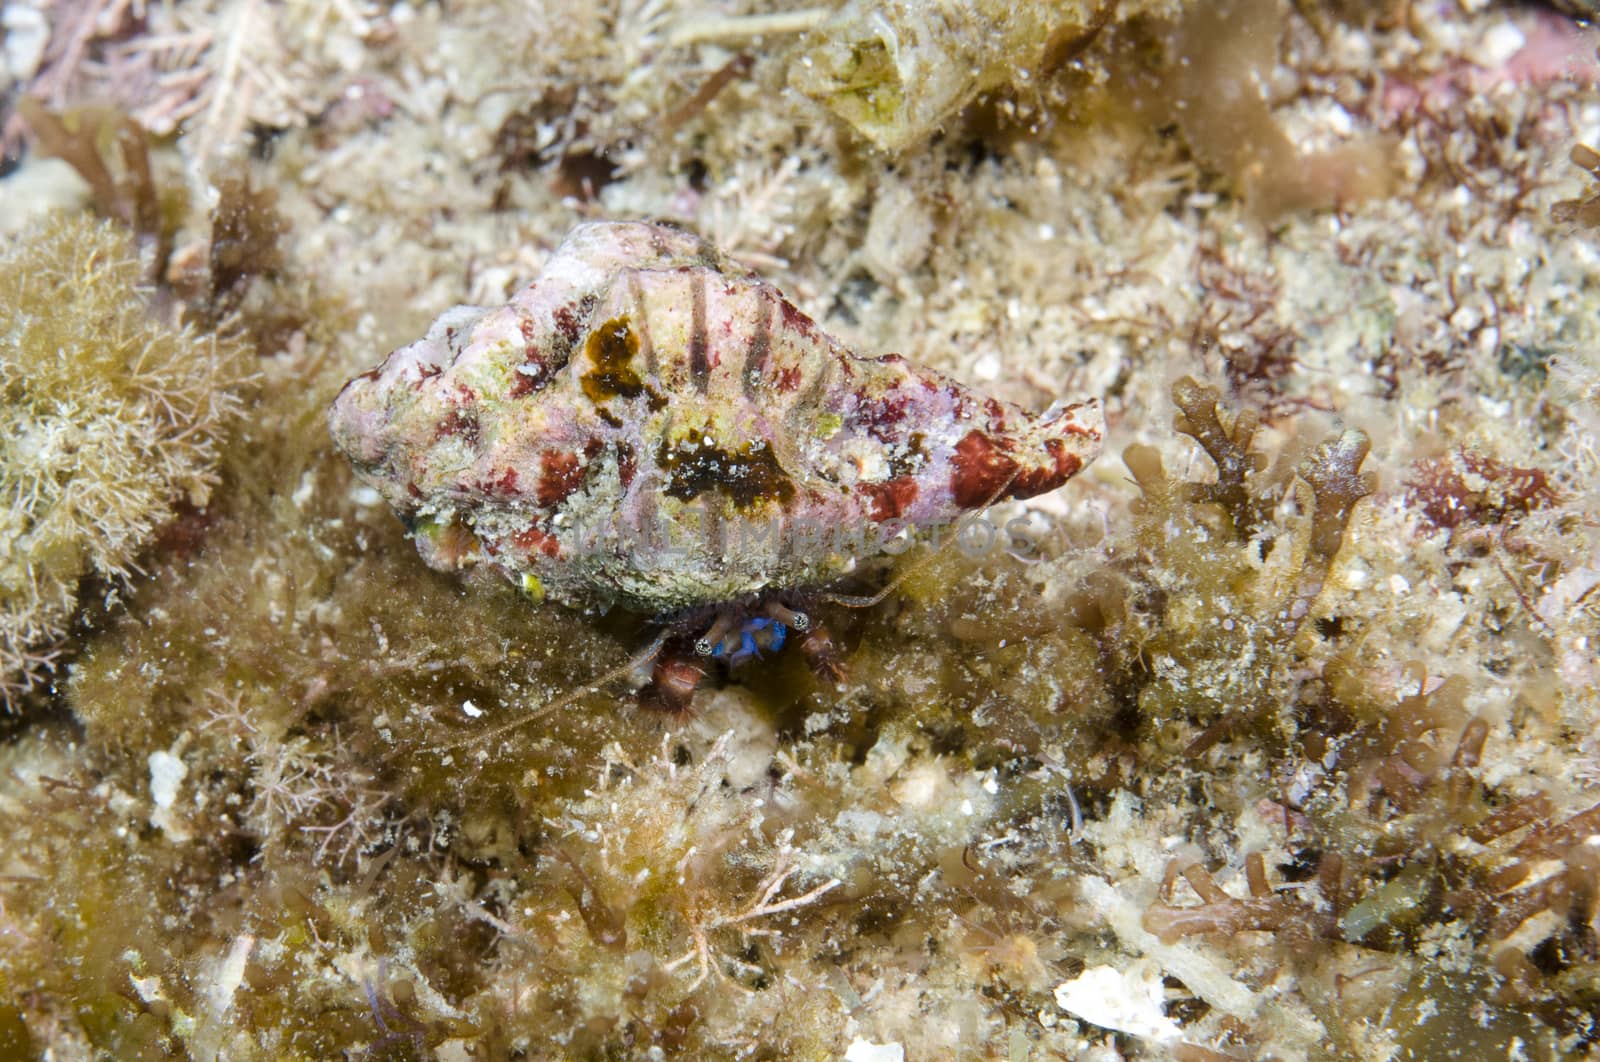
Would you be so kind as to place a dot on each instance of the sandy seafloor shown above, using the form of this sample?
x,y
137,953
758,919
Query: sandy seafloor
x,y
1246,773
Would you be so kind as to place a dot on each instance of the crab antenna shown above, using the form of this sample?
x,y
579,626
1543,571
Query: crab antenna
x,y
871,600
634,663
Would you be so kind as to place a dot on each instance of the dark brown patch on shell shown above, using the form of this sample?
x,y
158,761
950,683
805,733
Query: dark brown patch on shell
x,y
747,475
611,349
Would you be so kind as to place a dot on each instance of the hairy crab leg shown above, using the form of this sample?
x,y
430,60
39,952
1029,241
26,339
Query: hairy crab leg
x,y
672,684
966,521
635,662
822,655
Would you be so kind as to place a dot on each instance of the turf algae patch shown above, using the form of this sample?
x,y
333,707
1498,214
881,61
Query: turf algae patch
x,y
113,418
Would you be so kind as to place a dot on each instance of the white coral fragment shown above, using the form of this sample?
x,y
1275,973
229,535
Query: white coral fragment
x,y
866,1051
1128,1001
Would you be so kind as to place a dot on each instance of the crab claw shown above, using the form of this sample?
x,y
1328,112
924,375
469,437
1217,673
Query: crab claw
x,y
672,683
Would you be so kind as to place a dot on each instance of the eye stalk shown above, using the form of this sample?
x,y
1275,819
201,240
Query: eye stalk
x,y
789,617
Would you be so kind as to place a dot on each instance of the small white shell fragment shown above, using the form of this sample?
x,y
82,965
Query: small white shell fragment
x,y
866,1051
1127,1001
1500,44
26,35
166,776
228,974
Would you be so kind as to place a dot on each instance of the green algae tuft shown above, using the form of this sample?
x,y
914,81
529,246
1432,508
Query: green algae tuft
x,y
111,417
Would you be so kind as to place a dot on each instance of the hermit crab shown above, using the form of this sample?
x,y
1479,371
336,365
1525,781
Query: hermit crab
x,y
649,425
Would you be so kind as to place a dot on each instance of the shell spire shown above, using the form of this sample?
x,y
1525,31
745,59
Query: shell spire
x,y
651,425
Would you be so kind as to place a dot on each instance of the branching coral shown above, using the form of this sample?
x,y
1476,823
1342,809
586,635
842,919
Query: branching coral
x,y
110,419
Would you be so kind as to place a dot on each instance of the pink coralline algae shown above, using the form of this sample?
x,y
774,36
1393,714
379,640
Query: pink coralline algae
x,y
649,425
